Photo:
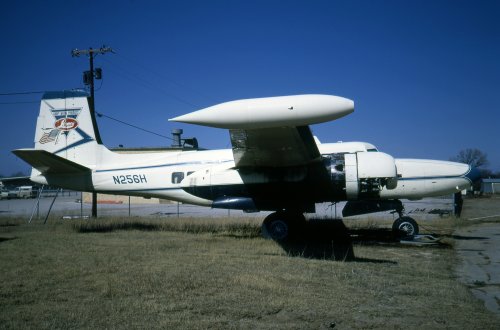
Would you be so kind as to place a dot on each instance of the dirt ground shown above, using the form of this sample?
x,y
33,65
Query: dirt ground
x,y
477,247
483,208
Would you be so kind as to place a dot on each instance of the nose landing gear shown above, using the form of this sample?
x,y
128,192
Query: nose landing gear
x,y
404,227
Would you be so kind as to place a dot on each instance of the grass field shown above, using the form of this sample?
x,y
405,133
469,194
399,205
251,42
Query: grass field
x,y
195,273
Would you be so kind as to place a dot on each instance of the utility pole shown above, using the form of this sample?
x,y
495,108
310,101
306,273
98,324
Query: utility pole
x,y
88,79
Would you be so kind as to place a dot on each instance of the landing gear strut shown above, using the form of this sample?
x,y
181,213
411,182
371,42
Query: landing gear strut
x,y
282,225
403,228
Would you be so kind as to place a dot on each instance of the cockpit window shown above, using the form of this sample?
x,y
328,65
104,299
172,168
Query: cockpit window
x,y
372,150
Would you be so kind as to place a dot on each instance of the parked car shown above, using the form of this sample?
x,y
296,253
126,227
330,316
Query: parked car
x,y
4,193
21,192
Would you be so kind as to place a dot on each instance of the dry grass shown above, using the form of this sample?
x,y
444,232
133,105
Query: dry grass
x,y
199,273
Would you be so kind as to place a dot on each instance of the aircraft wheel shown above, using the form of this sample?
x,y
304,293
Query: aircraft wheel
x,y
279,226
405,227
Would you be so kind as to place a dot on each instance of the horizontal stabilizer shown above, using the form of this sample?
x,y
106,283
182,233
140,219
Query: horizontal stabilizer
x,y
48,163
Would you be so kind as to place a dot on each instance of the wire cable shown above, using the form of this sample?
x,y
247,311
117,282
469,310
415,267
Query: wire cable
x,y
19,102
145,68
99,114
146,84
22,93
100,86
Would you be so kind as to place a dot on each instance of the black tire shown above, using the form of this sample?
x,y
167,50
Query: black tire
x,y
405,228
280,226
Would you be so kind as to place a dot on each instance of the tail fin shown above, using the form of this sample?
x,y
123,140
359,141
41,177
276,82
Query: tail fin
x,y
66,127
67,142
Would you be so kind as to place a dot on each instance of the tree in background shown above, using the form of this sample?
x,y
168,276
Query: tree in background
x,y
473,157
486,173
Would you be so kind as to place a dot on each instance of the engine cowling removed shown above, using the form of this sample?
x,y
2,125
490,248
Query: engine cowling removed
x,y
361,175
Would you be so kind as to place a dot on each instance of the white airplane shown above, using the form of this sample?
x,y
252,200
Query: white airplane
x,y
275,163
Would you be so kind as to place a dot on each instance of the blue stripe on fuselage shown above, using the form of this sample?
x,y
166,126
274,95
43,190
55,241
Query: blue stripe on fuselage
x,y
432,177
163,165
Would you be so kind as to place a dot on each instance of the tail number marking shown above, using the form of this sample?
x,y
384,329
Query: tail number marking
x,y
130,179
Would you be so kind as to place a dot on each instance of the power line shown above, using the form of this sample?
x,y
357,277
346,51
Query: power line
x,y
22,93
20,102
127,74
99,114
155,72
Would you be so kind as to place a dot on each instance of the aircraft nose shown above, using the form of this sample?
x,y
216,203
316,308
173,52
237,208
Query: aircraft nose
x,y
473,175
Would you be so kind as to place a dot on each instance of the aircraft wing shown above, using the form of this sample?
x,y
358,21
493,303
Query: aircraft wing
x,y
274,147
272,131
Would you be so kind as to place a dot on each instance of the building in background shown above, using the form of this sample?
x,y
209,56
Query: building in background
x,y
490,186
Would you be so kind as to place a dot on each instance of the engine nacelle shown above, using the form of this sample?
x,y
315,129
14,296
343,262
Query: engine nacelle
x,y
362,174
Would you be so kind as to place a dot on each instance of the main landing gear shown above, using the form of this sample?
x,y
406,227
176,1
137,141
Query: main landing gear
x,y
285,225
282,225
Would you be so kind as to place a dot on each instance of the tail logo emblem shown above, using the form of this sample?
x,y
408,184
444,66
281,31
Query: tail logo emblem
x,y
66,124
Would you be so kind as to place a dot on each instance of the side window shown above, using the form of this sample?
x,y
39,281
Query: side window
x,y
177,177
189,173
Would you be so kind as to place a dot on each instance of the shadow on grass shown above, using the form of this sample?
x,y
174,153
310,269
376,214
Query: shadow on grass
x,y
10,222
327,239
5,239
235,230
106,227
318,239
467,238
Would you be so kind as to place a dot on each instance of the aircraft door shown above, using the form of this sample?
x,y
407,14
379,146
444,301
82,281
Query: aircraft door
x,y
198,183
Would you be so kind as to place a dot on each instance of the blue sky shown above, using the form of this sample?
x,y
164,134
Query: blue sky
x,y
424,75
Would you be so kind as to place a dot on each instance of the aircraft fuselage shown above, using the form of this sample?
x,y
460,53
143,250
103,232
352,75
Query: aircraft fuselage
x,y
209,178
